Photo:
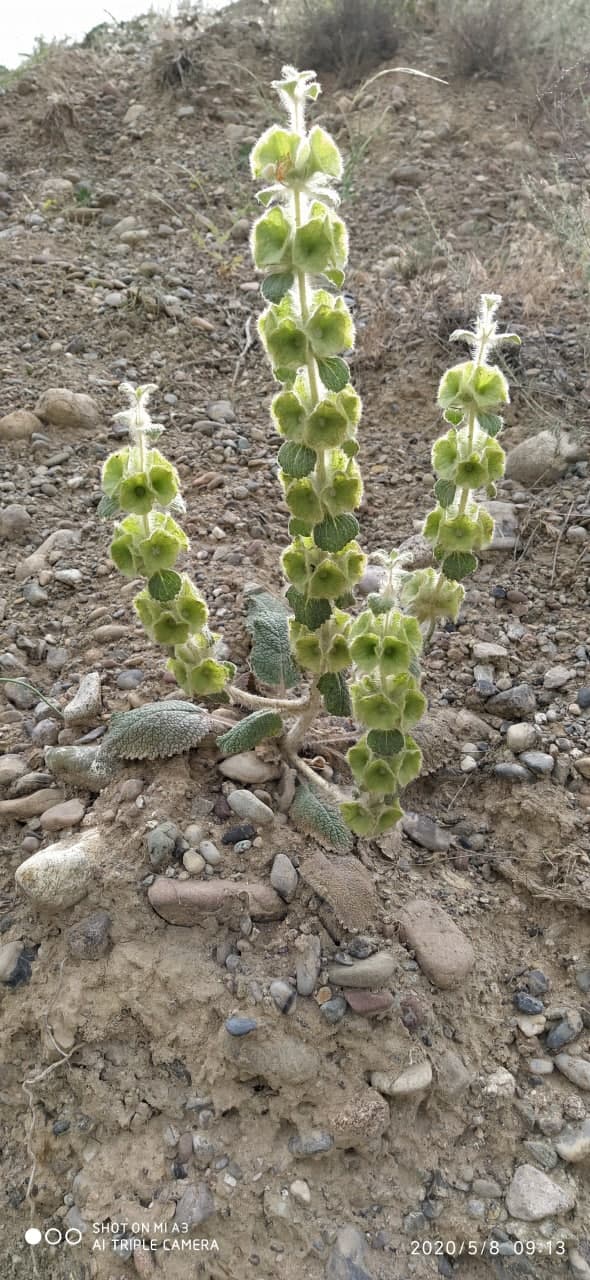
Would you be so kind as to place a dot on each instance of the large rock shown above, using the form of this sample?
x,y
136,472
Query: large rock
x,y
187,902
443,952
23,807
18,425
60,875
544,458
61,407
532,1195
86,704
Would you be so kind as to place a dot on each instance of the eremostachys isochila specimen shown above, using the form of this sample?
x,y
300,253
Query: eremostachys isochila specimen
x,y
301,243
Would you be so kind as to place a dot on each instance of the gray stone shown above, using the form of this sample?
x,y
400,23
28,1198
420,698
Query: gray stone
x,y
583,698
441,948
284,877
15,968
249,768
583,978
310,1144
347,1255
543,1152
573,1144
514,704
333,1010
376,971
161,843
283,995
210,852
309,958
14,521
539,762
19,695
86,705
195,1206
543,458
575,1069
512,772
556,677
89,939
221,411
45,733
248,806
567,1029
486,1188
416,1079
237,1026
426,832
532,1196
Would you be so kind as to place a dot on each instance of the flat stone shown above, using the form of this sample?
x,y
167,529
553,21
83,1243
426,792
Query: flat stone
x,y
368,1003
512,772
89,939
556,677
370,973
308,964
11,768
484,651
575,1069
187,902
426,832
60,875
539,762
532,1196
573,1143
240,1026
63,816
249,806
313,1143
443,952
414,1080
247,767
31,806
86,705
284,877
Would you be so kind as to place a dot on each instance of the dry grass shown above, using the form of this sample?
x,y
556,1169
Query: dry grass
x,y
348,37
176,65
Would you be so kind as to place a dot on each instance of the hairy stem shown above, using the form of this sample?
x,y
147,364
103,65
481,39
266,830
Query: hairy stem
x,y
329,789
256,701
298,731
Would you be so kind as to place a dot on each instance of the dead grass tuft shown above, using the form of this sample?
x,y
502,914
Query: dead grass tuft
x,y
176,65
485,37
349,37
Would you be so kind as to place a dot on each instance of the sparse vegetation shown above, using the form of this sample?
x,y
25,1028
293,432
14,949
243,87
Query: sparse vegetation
x,y
348,37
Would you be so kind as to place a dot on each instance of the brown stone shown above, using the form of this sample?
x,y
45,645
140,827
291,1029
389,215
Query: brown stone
x,y
31,806
368,1003
443,952
18,425
190,901
62,816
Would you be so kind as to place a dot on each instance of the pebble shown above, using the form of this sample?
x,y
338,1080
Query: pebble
x,y
209,852
309,959
221,411
346,1257
60,875
284,996
575,1069
484,651
237,1026
236,834
539,762
31,806
368,1003
110,631
514,704
573,1143
556,677
487,1188
540,1066
45,733
89,939
196,1204
247,767
248,806
568,1029
161,843
187,902
130,789
512,772
370,973
532,1025
532,1196
11,768
583,979
19,695
443,952
310,1144
204,1151
130,679
526,1003
542,1152
193,862
86,705
284,877
300,1191
61,407
61,817
583,697
15,967
583,766
414,1080
500,1084
426,832
522,737
333,1010
537,983
18,425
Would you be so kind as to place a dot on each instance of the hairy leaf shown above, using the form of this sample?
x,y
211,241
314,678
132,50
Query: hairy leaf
x,y
459,565
310,612
334,373
317,818
445,491
249,732
492,423
275,286
299,528
385,743
296,459
164,585
455,416
268,623
334,690
335,531
107,507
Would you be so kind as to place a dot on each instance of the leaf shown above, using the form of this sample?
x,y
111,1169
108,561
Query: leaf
x,y
310,612
296,459
459,565
455,416
268,623
334,373
335,532
275,286
107,507
335,276
316,817
445,491
350,448
492,423
334,690
299,528
385,743
249,732
164,585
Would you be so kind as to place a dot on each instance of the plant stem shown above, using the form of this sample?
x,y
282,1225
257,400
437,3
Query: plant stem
x,y
328,789
256,701
298,731
27,685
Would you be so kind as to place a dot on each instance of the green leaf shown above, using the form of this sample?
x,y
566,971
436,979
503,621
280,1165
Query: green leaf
x,y
385,743
335,276
350,448
299,528
249,732
490,422
268,623
334,690
455,416
445,491
164,585
459,565
315,817
107,507
276,285
310,612
335,531
334,373
296,459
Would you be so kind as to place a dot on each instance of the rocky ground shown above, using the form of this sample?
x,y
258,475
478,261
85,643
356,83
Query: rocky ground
x,y
371,1067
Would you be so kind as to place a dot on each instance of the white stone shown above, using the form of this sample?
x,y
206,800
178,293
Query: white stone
x,y
60,875
522,737
532,1195
531,1024
575,1069
573,1144
250,807
193,862
501,1084
414,1080
556,677
86,704
247,767
300,1191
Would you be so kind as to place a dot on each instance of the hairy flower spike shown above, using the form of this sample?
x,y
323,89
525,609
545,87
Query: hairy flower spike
x,y
141,486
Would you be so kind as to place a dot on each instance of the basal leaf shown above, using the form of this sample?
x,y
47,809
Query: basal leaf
x,y
270,657
315,817
249,732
